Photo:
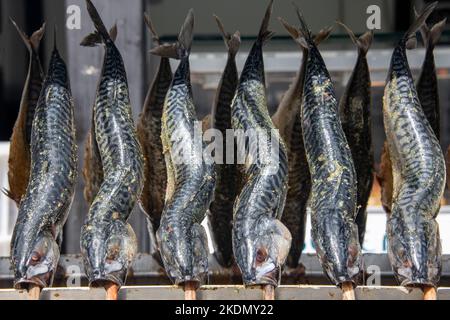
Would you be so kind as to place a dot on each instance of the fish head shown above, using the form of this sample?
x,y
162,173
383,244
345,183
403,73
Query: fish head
x,y
268,252
108,253
38,264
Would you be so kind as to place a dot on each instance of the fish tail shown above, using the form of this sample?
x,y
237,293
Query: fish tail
x,y
363,42
409,39
322,35
182,48
301,35
232,41
265,34
151,28
101,35
431,36
34,41
303,25
295,33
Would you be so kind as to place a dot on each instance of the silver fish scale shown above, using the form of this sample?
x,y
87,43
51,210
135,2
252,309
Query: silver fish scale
x,y
53,168
182,240
419,180
333,193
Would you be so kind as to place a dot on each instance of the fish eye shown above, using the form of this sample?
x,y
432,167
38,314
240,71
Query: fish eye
x,y
261,255
35,258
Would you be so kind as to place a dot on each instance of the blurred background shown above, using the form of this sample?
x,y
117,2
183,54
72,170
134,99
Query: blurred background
x,y
282,60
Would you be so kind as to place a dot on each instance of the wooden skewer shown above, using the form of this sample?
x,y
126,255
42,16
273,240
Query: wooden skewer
x,y
34,292
190,290
429,293
112,291
348,293
268,292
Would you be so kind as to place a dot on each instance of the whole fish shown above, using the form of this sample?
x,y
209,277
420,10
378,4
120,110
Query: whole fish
x,y
19,150
190,180
108,243
427,90
227,177
354,110
261,242
92,168
287,119
333,192
37,235
149,133
414,247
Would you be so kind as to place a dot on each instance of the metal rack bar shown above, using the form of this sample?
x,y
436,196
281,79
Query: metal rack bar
x,y
300,292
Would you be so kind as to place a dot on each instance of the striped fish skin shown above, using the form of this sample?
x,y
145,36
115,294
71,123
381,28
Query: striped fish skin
x,y
190,185
287,119
333,192
108,243
354,110
418,174
19,161
149,132
428,93
227,175
261,242
44,210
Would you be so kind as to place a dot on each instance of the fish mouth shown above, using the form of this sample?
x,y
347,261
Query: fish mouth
x,y
269,275
100,278
197,279
25,283
40,275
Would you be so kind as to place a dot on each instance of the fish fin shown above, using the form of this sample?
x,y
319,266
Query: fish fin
x,y
430,37
232,41
113,32
102,32
182,48
10,195
91,40
265,34
295,33
304,29
151,27
93,167
322,35
436,31
34,41
363,42
409,39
